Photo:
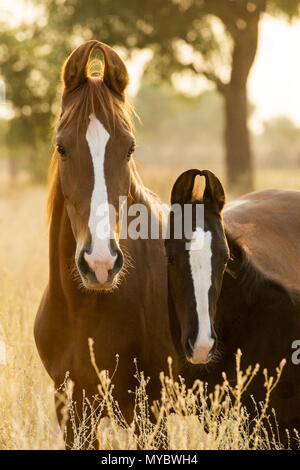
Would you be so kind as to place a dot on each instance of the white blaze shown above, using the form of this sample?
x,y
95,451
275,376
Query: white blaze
x,y
200,256
97,138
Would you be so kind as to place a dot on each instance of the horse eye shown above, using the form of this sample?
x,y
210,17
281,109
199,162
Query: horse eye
x,y
131,150
61,150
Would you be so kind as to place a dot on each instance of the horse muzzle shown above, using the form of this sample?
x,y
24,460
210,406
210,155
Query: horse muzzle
x,y
201,353
100,272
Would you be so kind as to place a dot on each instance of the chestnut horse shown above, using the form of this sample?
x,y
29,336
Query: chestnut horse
x,y
121,305
237,286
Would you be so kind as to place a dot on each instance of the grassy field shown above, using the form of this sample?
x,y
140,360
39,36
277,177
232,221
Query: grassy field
x,y
27,415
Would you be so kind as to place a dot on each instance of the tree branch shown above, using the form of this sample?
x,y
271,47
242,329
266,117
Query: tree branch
x,y
212,77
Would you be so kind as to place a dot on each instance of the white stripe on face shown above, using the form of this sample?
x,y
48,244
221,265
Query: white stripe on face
x,y
200,256
97,138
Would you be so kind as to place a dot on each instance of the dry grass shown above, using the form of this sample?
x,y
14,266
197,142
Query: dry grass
x,y
27,415
183,418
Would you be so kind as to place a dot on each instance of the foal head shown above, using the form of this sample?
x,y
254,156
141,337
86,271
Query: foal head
x,y
196,266
94,142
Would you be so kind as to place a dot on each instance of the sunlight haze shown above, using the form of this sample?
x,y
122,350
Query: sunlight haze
x,y
275,66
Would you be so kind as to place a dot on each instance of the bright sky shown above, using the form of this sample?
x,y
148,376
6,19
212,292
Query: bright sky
x,y
274,82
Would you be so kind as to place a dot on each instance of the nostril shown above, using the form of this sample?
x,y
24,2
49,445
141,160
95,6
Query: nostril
x,y
119,261
82,264
189,347
213,349
213,334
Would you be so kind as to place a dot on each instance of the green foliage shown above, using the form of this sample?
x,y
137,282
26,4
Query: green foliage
x,y
31,73
32,54
174,126
287,8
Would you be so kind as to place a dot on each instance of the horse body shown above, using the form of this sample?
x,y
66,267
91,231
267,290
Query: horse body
x,y
132,321
121,305
264,328
258,308
266,224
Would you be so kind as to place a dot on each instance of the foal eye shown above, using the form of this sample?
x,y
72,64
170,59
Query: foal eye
x,y
131,150
61,150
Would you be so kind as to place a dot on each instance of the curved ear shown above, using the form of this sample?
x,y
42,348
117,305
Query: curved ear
x,y
214,193
182,191
115,72
75,70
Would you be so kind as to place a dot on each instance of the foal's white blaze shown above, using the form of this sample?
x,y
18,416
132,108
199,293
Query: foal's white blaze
x,y
100,258
200,256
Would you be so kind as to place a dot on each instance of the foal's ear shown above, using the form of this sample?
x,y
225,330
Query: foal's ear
x,y
183,188
214,194
75,70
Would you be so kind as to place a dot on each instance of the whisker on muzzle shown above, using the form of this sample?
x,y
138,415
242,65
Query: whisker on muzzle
x,y
128,263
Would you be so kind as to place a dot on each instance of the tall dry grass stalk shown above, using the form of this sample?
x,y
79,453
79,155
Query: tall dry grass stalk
x,y
188,418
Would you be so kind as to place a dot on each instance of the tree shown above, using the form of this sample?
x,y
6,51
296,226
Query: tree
x,y
31,71
241,19
170,27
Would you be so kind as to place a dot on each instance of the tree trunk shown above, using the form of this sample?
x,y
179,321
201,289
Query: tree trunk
x,y
239,162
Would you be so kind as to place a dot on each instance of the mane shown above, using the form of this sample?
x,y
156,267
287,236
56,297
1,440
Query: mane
x,y
249,277
138,191
85,97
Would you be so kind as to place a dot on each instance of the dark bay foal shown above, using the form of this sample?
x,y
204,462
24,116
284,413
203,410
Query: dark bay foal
x,y
236,285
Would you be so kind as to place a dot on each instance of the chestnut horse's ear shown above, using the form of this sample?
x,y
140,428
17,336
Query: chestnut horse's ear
x,y
214,194
184,191
183,188
115,72
75,70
